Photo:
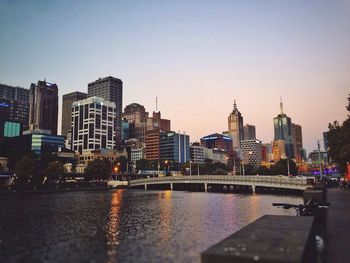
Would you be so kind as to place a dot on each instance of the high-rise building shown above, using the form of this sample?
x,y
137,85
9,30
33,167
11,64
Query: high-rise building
x,y
67,101
174,147
251,150
297,138
43,111
249,132
140,122
152,144
283,131
17,99
235,127
136,115
93,124
110,89
217,141
156,122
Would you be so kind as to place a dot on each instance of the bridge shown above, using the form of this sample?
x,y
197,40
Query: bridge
x,y
208,181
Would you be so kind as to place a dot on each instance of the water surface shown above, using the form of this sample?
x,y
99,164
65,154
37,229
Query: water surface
x,y
124,225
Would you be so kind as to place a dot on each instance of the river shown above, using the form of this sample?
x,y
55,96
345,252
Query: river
x,y
124,225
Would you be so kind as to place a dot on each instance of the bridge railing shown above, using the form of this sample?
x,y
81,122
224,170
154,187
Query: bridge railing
x,y
261,179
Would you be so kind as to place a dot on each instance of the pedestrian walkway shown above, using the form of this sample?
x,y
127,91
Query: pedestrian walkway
x,y
338,226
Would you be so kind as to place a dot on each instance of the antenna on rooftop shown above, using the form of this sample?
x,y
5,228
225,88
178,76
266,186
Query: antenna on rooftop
x,y
281,105
156,104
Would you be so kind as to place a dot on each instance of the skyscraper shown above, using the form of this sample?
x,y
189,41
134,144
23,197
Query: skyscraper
x,y
110,89
235,127
297,138
283,131
17,99
249,132
43,111
174,147
67,101
93,124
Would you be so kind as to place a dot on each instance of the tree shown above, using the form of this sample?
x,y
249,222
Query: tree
x,y
25,169
122,163
281,167
54,170
17,153
338,141
141,164
262,170
98,169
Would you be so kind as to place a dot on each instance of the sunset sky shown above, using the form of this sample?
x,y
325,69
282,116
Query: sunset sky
x,y
195,56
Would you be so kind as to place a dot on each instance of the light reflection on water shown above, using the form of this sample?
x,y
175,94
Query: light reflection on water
x,y
124,225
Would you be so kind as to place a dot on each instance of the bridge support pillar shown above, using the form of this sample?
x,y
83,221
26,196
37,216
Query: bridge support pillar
x,y
171,186
253,188
205,187
145,187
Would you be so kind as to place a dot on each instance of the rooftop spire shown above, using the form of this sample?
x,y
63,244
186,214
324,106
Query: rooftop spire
x,y
156,104
281,105
234,105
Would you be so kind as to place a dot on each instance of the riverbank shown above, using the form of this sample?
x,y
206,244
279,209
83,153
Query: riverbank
x,y
55,188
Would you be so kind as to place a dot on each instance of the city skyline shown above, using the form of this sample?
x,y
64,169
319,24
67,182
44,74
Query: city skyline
x,y
195,57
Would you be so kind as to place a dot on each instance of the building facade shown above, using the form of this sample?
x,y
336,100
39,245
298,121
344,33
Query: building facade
x,y
283,131
297,139
43,111
17,99
251,151
217,141
153,145
197,153
67,102
235,127
249,132
110,89
93,124
137,154
174,147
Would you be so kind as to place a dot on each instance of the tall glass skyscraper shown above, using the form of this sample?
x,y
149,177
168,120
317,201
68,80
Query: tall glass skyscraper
x,y
110,89
283,131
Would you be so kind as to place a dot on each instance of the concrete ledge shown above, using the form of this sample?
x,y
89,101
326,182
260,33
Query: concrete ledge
x,y
268,239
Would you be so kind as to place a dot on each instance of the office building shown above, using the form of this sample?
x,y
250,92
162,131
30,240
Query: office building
x,y
93,124
251,151
43,111
110,89
297,139
283,131
174,147
137,154
152,145
197,153
249,132
156,122
136,116
217,141
17,99
235,127
140,122
67,101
